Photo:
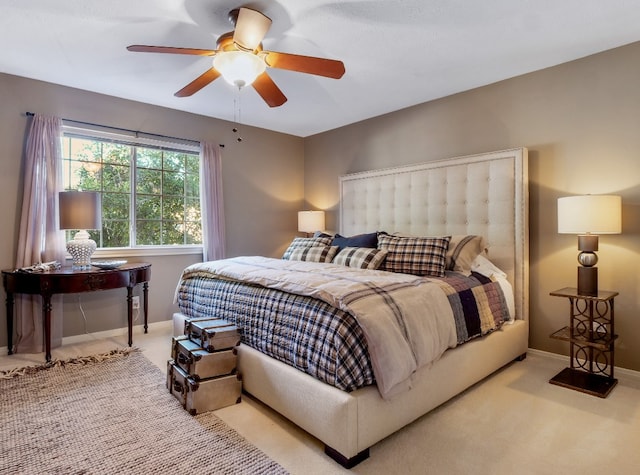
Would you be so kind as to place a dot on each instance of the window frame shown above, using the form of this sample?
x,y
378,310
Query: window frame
x,y
106,134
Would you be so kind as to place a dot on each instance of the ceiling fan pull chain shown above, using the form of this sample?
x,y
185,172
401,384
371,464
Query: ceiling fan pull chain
x,y
236,115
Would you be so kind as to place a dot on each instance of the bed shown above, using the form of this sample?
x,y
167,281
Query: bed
x,y
481,195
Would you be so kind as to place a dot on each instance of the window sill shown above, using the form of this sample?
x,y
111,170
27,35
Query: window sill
x,y
146,251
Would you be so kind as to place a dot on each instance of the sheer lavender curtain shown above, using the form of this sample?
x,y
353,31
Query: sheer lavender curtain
x,y
211,202
40,240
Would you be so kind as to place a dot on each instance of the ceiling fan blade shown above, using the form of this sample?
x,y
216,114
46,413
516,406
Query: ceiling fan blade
x,y
330,68
201,81
268,90
251,26
171,49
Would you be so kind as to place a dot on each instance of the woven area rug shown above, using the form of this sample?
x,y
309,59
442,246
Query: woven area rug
x,y
112,414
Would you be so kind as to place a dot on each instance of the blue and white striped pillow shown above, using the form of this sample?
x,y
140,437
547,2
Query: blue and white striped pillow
x,y
302,243
360,257
314,254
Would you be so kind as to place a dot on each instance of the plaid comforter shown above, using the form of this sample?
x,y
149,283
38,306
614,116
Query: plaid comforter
x,y
343,327
306,333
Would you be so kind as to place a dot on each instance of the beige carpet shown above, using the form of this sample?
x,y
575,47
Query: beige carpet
x,y
112,415
512,423
516,423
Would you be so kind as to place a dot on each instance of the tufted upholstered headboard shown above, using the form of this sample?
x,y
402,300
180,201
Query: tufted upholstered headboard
x,y
485,194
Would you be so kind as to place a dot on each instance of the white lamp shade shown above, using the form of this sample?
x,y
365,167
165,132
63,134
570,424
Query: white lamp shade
x,y
80,210
593,214
239,68
310,221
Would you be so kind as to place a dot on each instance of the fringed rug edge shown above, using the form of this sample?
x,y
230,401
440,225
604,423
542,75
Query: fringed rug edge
x,y
75,361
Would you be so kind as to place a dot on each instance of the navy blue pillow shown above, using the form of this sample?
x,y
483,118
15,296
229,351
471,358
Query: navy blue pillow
x,y
360,240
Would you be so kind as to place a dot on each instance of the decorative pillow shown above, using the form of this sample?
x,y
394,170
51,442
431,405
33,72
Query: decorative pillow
x,y
322,234
484,266
360,240
301,243
462,251
360,257
414,255
314,254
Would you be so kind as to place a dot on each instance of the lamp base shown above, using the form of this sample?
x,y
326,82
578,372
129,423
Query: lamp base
x,y
81,250
588,280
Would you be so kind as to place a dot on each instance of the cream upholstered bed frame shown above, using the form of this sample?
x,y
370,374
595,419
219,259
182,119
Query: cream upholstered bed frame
x,y
482,194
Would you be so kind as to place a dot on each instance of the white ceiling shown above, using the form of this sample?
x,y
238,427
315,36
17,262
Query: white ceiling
x,y
397,53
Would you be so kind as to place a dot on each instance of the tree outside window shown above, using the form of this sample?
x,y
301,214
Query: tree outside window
x,y
150,195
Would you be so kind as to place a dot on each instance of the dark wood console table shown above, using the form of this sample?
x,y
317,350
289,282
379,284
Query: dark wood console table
x,y
69,281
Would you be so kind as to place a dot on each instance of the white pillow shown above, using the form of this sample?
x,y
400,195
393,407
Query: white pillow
x,y
484,266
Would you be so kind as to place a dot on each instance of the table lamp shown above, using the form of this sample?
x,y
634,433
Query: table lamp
x,y
80,210
588,216
310,221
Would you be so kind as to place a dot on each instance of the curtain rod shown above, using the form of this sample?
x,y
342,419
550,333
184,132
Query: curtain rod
x,y
31,114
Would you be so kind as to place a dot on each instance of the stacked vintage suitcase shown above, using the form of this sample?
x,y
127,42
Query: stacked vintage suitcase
x,y
202,373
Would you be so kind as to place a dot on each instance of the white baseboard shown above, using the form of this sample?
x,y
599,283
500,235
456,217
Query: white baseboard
x,y
74,339
137,329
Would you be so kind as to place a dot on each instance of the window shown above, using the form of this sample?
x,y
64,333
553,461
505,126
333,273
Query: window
x,y
150,189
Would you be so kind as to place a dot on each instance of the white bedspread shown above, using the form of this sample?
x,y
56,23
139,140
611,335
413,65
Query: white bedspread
x,y
407,321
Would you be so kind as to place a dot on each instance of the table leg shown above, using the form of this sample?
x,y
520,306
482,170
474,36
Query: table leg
x,y
46,316
130,313
145,293
10,323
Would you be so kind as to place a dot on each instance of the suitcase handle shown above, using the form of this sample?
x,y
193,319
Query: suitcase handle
x,y
184,359
177,387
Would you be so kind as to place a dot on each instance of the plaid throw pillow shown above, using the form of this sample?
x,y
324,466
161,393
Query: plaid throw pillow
x,y
301,243
424,256
314,254
360,257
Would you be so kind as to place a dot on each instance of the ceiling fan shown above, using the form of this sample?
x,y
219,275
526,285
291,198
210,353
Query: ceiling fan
x,y
240,59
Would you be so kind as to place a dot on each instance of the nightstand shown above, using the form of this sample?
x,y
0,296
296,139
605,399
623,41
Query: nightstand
x,y
591,337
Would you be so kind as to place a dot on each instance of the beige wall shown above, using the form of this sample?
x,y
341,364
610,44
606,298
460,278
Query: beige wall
x,y
581,124
262,180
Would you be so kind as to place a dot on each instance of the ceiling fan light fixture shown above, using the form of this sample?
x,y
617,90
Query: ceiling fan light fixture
x,y
239,68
